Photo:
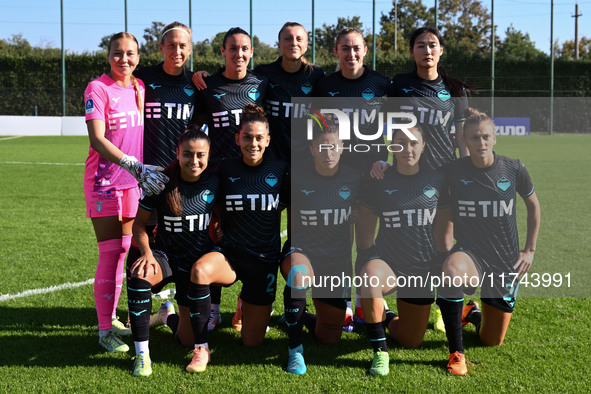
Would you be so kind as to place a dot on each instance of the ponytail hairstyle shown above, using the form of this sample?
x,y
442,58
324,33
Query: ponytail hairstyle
x,y
234,31
474,117
175,26
252,113
456,87
173,196
305,61
136,86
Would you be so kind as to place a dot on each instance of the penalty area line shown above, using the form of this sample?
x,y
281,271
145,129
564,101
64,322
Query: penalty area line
x,y
51,289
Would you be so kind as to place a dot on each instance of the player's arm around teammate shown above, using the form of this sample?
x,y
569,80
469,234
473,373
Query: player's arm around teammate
x,y
250,248
487,250
406,202
184,211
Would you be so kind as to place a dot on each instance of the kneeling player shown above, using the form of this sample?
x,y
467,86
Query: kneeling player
x,y
406,202
483,189
255,190
324,195
184,212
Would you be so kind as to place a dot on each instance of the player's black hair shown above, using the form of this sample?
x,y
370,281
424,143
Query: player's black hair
x,y
173,196
233,31
456,86
252,113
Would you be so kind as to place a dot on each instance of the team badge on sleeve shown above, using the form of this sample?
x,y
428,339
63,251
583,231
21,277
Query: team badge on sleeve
x,y
89,106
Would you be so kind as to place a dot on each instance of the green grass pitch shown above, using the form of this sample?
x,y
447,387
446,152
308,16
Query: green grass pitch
x,y
48,342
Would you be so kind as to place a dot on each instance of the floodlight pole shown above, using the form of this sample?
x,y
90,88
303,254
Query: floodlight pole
x,y
313,36
251,37
191,27
63,59
436,14
373,35
125,13
551,125
492,60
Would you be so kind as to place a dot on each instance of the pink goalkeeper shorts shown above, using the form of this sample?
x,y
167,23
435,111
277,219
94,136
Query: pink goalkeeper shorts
x,y
122,203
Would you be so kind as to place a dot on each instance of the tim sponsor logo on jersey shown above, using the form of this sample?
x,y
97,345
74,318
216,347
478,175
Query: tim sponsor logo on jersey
x,y
155,110
225,118
255,202
174,224
121,120
325,217
412,217
485,209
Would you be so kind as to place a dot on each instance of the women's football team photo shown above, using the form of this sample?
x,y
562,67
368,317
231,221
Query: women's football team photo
x,y
188,175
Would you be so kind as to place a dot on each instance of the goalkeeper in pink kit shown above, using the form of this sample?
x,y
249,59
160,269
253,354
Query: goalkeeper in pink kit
x,y
114,119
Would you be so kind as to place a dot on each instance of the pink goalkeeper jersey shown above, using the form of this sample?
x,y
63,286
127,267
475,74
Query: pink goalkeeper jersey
x,y
104,99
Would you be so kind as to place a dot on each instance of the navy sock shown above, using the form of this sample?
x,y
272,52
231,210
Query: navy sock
x,y
294,301
139,301
199,307
309,321
389,316
173,323
377,336
216,294
451,312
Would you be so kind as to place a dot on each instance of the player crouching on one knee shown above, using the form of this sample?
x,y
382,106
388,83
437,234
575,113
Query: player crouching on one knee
x,y
483,190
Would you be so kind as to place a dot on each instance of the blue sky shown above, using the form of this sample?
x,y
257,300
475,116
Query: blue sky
x,y
86,22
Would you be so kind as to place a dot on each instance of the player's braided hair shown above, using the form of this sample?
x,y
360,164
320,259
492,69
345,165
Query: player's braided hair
x,y
456,87
136,86
173,196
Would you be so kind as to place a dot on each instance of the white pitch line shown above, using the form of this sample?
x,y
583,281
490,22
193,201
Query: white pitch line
x,y
41,163
283,233
11,138
51,289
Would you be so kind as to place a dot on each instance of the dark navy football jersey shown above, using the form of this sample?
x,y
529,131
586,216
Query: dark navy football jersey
x,y
253,198
436,111
406,206
282,87
484,208
222,104
321,210
185,238
372,87
169,106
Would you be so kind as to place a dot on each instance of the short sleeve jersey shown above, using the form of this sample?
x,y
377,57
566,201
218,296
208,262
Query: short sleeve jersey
x,y
436,111
321,210
253,195
406,206
484,207
372,87
169,105
222,103
282,87
185,238
115,105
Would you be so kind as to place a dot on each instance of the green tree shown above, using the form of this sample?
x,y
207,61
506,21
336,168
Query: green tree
x,y
152,38
401,23
16,45
567,51
327,34
518,46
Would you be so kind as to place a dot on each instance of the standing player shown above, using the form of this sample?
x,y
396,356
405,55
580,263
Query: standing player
x,y
356,80
321,243
436,99
406,202
289,76
184,212
220,106
114,120
255,190
170,98
483,190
